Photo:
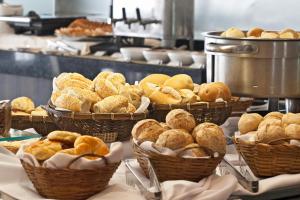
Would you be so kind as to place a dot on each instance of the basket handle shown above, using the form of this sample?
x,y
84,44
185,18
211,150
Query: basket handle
x,y
94,155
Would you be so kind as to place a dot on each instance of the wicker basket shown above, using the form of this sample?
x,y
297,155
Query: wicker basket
x,y
5,118
109,127
241,105
267,160
42,124
69,183
176,168
215,112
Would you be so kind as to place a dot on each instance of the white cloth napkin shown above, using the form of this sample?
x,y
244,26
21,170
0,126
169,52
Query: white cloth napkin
x,y
62,160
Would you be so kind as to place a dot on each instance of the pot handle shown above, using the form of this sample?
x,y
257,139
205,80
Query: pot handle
x,y
231,48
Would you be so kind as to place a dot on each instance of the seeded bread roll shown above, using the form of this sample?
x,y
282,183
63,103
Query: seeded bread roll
x,y
147,130
72,103
90,145
270,133
292,131
249,122
23,104
43,150
211,136
174,139
180,81
111,104
180,119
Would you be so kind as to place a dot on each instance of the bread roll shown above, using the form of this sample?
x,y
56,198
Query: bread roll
x,y
147,130
111,104
66,82
269,35
270,133
105,88
82,94
224,91
276,115
39,112
196,89
116,79
55,95
233,33
157,79
166,95
290,118
74,76
270,121
249,122
23,104
102,75
133,93
256,32
210,136
63,136
180,81
72,103
149,88
292,131
44,149
196,150
165,126
188,96
180,119
90,145
288,34
208,93
174,139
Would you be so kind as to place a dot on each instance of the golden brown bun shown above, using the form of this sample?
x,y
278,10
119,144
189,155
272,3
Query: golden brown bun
x,y
129,109
269,35
180,81
196,89
188,96
166,95
90,145
196,150
270,121
288,34
63,136
105,88
255,32
111,104
290,118
292,131
157,79
74,76
211,136
277,115
180,119
55,95
102,75
149,88
72,103
133,93
270,133
65,80
42,150
249,122
174,139
82,94
211,91
24,104
233,33
165,126
147,130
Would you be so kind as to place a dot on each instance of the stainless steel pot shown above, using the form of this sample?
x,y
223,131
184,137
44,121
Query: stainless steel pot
x,y
254,67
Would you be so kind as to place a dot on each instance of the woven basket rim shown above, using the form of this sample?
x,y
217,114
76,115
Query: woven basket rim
x,y
31,118
151,154
111,116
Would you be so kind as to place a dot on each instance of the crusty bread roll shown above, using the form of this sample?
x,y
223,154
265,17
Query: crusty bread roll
x,y
290,118
288,34
233,33
269,35
116,79
277,115
249,122
111,104
166,95
196,150
165,126
211,91
157,79
147,130
256,32
270,133
90,145
72,103
63,136
82,94
105,88
174,139
102,75
23,104
292,131
133,93
129,109
74,76
188,96
180,119
210,136
180,81
43,149
270,121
